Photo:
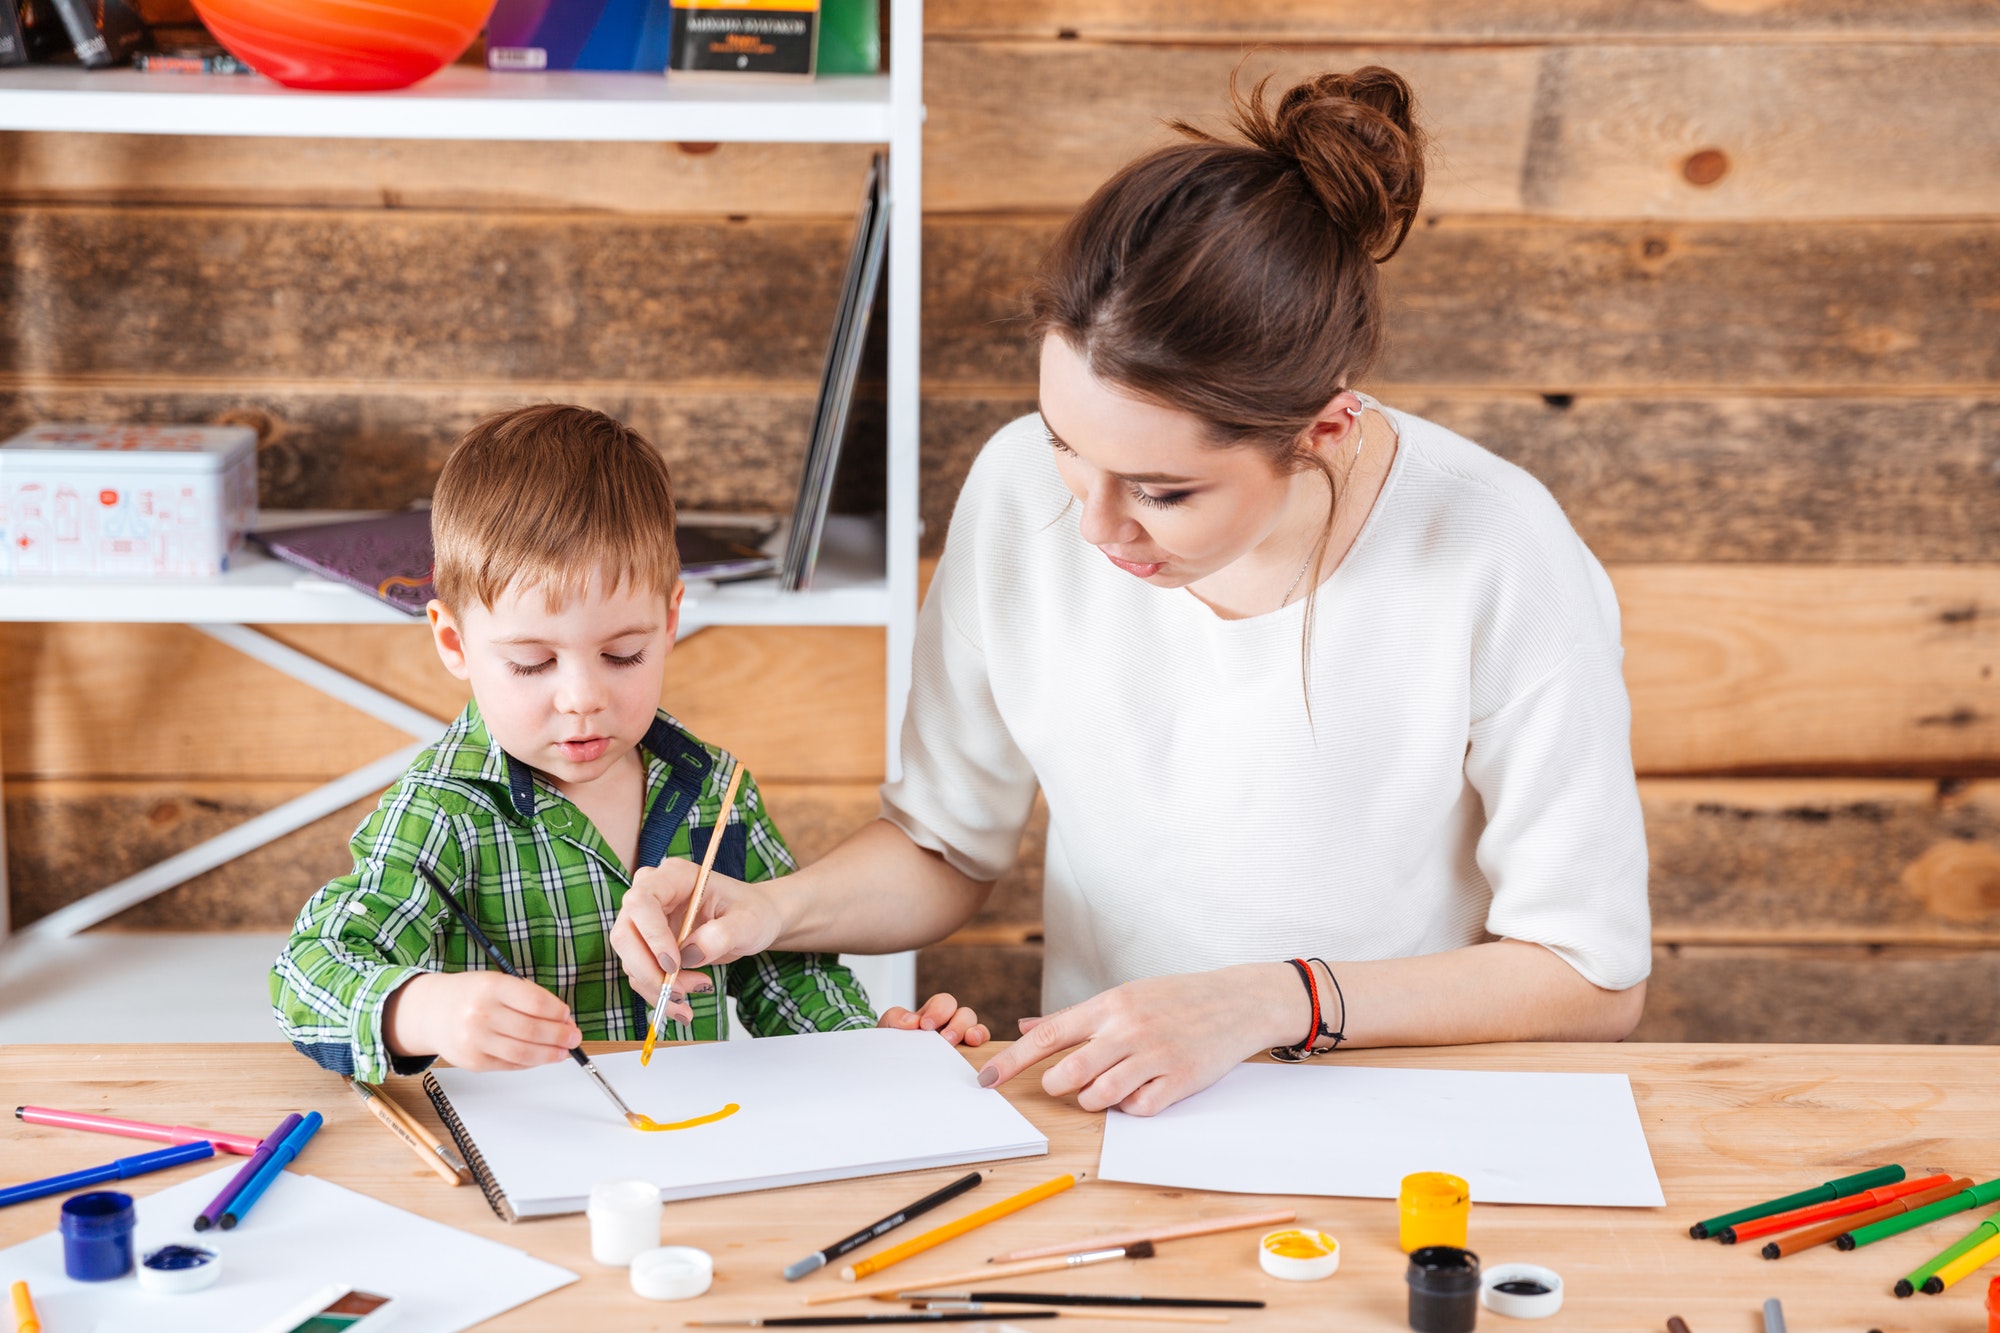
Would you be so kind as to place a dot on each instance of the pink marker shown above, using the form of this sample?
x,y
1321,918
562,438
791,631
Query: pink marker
x,y
240,1144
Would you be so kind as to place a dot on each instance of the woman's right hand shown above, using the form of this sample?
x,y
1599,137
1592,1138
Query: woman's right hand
x,y
733,920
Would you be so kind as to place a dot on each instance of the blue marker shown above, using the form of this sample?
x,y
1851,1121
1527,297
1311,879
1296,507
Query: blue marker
x,y
280,1159
122,1169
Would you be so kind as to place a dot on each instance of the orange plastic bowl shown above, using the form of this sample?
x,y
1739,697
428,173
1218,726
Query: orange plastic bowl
x,y
345,45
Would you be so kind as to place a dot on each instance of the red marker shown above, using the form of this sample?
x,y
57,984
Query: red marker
x,y
240,1144
1820,1212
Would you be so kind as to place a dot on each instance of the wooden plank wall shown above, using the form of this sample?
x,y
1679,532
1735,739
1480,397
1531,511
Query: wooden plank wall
x,y
1725,275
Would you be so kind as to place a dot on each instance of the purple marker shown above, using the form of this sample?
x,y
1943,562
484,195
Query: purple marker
x,y
213,1212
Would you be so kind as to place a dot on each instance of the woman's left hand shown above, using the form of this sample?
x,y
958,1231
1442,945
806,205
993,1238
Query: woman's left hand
x,y
1144,1045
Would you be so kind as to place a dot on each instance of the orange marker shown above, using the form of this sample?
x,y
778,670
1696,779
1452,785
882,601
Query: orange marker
x,y
24,1310
939,1235
1839,1226
1820,1212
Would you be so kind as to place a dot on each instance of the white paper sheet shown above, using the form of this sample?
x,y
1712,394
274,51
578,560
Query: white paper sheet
x,y
827,1106
303,1235
1352,1130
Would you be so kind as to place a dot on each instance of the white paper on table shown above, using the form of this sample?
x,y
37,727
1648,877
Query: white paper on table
x,y
822,1106
1354,1130
303,1235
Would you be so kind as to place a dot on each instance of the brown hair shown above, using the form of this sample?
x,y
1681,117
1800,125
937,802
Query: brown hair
x,y
1234,280
551,495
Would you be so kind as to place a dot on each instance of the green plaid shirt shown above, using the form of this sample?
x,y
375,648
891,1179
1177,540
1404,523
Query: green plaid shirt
x,y
544,887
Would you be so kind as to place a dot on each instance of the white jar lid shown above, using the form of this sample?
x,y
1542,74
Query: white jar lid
x,y
672,1273
179,1268
1521,1305
1314,1254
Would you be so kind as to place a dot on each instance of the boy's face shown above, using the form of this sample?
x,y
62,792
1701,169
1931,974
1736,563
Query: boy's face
x,y
568,691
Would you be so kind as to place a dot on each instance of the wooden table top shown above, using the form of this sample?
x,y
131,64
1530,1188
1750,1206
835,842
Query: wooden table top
x,y
1728,1125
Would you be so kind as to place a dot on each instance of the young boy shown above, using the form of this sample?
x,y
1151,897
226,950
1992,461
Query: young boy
x,y
558,597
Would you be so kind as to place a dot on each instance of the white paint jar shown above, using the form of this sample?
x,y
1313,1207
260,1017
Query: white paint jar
x,y
624,1220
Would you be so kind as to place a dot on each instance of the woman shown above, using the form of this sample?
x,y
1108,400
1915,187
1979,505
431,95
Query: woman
x,y
1302,677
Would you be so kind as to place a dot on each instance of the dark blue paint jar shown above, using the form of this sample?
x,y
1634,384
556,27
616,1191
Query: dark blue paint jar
x,y
97,1236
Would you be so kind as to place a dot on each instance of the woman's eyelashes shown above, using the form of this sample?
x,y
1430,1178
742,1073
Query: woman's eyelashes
x,y
1165,500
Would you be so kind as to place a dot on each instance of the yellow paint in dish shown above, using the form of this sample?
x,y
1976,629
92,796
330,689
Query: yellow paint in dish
x,y
1297,1244
649,1125
1298,1254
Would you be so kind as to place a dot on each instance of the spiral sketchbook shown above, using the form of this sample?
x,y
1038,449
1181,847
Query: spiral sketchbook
x,y
824,1106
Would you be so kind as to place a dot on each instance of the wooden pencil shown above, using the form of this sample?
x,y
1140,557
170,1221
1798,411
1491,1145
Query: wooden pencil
x,y
1203,1227
423,1132
410,1133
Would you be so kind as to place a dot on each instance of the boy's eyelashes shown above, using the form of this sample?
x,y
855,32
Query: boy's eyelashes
x,y
537,668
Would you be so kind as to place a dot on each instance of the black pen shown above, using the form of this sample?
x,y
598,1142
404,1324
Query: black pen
x,y
946,1299
576,1053
834,1320
820,1258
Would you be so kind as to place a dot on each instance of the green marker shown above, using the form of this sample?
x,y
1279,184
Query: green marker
x,y
1924,1279
1978,1195
1833,1189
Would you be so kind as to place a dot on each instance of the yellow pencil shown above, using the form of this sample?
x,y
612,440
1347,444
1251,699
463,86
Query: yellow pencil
x,y
694,905
1971,1261
24,1310
939,1235
891,1291
398,1123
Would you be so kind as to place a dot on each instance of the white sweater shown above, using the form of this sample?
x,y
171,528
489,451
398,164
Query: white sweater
x,y
1466,772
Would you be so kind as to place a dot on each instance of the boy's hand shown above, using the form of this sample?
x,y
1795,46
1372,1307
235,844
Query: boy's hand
x,y
479,1020
649,922
940,1014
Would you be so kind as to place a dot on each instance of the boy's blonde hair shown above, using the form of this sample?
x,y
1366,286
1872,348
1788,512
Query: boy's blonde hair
x,y
553,495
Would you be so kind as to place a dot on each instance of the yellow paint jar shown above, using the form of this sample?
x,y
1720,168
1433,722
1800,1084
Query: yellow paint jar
x,y
1433,1209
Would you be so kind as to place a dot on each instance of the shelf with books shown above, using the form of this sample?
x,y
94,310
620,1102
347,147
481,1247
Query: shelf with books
x,y
874,584
460,102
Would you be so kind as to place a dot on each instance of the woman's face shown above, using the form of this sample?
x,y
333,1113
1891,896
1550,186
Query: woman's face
x,y
1160,502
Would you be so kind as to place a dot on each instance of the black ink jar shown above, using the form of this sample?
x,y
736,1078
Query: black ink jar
x,y
1444,1289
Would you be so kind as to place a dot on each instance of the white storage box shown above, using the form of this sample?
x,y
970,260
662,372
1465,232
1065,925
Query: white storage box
x,y
81,500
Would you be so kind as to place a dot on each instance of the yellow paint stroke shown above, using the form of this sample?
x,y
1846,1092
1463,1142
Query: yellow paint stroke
x,y
652,1126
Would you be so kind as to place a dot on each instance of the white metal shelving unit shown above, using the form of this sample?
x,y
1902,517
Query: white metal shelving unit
x,y
859,583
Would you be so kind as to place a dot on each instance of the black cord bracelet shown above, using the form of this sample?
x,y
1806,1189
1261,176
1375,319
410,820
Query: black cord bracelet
x,y
1308,1048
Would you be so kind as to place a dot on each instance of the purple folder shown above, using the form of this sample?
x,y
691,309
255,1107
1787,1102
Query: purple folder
x,y
390,557
387,557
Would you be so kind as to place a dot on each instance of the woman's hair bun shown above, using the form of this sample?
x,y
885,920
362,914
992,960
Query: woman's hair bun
x,y
1356,139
